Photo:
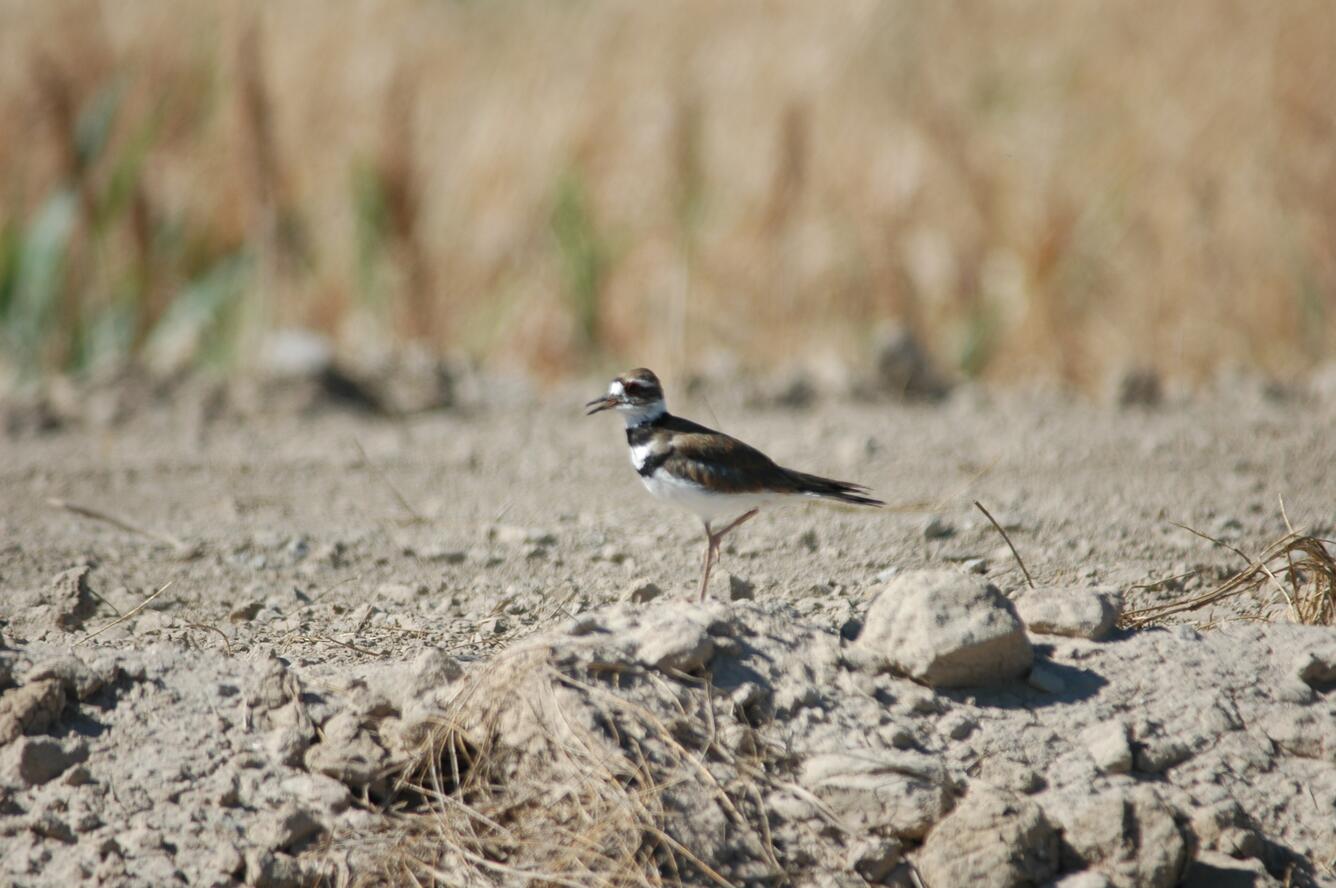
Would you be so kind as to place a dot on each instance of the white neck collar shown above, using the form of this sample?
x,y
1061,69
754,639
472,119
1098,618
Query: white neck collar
x,y
636,416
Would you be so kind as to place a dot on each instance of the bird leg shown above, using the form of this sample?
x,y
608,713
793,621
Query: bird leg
x,y
711,553
712,540
737,522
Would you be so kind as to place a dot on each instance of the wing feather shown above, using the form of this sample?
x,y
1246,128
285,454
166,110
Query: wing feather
x,y
722,462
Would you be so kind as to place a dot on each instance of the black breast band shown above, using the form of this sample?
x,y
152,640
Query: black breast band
x,y
652,462
639,436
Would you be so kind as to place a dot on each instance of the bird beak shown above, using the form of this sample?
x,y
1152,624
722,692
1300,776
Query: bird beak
x,y
598,404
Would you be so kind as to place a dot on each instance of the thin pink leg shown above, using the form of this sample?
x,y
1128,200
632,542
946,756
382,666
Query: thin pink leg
x,y
710,555
712,547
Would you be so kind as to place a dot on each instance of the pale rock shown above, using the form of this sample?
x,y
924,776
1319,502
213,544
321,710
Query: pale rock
x,y
227,860
153,621
947,629
273,869
641,591
1159,753
70,598
1306,733
991,839
433,671
511,535
347,753
1292,690
49,826
290,732
901,794
959,726
78,679
1071,611
376,694
883,576
29,708
289,827
32,761
433,682
1108,746
277,687
136,842
682,644
79,775
1003,773
1045,679
1129,834
874,859
791,806
611,553
328,794
1226,828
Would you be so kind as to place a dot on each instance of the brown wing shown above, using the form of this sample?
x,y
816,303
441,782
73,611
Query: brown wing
x,y
728,465
722,461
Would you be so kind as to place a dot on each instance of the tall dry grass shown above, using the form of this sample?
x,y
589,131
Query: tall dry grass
x,y
1037,188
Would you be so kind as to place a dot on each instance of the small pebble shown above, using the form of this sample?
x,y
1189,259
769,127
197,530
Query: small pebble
x,y
1044,679
938,528
642,591
610,553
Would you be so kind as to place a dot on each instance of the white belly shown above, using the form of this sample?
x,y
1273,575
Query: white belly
x,y
709,507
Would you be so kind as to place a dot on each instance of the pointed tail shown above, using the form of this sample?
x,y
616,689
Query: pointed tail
x,y
829,488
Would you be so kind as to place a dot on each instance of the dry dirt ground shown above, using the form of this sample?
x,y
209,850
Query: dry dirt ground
x,y
320,549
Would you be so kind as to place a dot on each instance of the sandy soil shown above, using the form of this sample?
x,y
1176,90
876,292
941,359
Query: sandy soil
x,y
286,509
521,513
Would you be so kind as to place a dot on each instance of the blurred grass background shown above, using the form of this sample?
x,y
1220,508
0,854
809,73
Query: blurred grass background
x,y
1036,189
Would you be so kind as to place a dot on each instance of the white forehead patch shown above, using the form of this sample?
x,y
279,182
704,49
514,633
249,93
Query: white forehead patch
x,y
615,389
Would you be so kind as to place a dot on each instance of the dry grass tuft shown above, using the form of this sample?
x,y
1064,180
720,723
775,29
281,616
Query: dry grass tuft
x,y
1295,576
535,775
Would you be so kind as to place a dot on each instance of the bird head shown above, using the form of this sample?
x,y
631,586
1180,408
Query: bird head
x,y
635,393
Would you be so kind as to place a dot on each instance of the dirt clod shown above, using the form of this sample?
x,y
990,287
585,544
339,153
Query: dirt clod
x,y
71,601
947,629
391,678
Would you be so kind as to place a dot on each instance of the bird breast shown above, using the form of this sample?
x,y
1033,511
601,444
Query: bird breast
x,y
648,455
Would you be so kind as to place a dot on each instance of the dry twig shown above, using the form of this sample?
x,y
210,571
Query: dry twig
x,y
1297,559
415,516
1029,579
127,615
124,524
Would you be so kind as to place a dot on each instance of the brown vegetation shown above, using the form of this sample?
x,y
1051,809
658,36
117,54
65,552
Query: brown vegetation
x,y
1037,189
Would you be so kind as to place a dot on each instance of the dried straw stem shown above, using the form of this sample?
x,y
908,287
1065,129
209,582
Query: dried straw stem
x,y
1298,566
536,775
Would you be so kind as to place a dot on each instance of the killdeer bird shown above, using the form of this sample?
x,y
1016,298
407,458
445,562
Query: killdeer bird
x,y
704,471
